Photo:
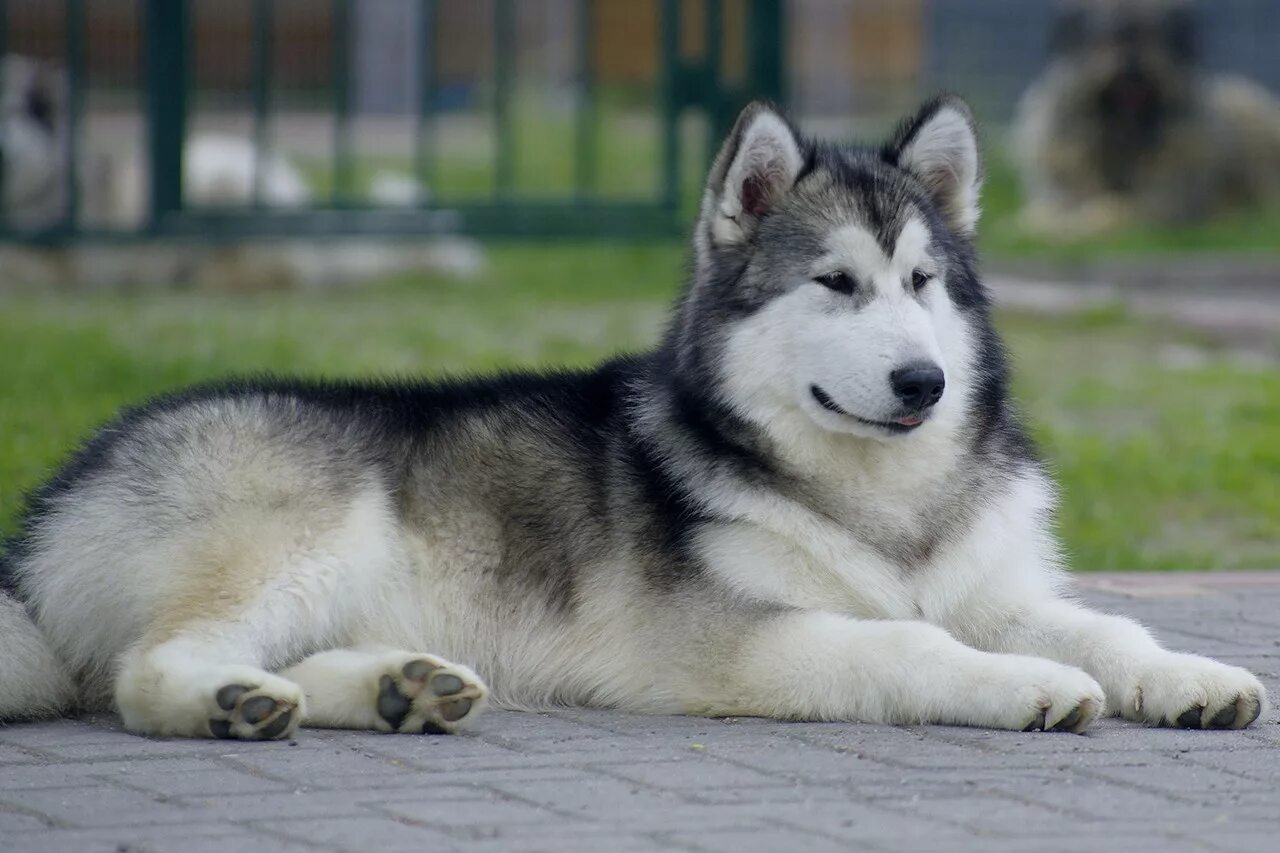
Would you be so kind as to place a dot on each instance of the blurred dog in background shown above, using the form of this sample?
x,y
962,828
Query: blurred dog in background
x,y
33,143
1124,127
218,168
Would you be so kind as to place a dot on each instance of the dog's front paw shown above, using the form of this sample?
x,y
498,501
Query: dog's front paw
x,y
1034,694
1193,692
1062,699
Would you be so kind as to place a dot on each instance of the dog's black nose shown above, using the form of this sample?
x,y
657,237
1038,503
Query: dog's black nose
x,y
918,386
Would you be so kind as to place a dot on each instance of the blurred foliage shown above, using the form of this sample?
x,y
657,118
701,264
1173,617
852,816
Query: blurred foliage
x,y
1167,450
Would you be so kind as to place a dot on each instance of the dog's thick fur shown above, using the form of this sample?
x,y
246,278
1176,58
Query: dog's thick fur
x,y
1124,127
812,501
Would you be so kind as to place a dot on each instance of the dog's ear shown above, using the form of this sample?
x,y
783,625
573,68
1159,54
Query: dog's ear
x,y
940,147
755,168
1069,31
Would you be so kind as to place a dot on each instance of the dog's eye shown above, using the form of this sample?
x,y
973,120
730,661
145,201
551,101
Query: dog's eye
x,y
840,282
920,278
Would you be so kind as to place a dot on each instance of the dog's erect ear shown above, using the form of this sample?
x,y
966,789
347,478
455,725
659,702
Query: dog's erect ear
x,y
753,171
940,147
1069,31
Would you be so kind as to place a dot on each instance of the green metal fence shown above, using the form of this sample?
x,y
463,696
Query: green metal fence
x,y
691,78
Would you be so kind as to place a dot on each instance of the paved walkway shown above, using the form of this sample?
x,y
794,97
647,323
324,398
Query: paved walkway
x,y
579,781
1241,311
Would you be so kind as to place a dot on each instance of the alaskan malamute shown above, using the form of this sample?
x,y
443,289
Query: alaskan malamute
x,y
812,501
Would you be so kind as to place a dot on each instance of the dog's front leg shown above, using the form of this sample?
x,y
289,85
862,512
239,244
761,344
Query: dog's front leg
x,y
1142,680
811,665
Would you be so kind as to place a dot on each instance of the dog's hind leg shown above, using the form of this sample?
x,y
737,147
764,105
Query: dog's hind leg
x,y
203,667
387,690
250,602
206,682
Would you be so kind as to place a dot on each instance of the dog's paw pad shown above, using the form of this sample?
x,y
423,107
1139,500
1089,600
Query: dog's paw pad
x,y
254,713
257,709
393,706
429,695
1188,719
227,696
1224,718
446,684
419,669
454,711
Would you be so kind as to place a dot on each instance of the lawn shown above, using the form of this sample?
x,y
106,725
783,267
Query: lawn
x,y
1167,450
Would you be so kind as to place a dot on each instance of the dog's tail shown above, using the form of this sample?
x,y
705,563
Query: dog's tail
x,y
33,682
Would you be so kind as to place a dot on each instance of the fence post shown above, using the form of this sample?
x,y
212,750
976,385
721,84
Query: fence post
x,y
766,38
672,101
167,54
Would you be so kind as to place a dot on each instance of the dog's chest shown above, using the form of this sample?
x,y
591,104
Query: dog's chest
x,y
873,554
811,570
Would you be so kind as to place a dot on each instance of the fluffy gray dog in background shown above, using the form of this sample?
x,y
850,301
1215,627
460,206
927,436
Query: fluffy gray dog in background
x,y
1123,126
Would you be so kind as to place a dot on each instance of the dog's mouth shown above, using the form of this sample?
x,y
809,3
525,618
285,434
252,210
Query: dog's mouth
x,y
904,424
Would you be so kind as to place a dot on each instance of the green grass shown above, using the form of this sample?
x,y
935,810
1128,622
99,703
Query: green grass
x,y
1161,466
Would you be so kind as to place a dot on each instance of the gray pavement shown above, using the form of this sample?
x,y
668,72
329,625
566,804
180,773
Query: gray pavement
x,y
587,780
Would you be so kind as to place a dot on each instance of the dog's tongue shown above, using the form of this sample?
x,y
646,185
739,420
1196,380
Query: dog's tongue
x,y
910,420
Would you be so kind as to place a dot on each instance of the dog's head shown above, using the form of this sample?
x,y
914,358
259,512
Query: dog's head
x,y
832,281
1131,62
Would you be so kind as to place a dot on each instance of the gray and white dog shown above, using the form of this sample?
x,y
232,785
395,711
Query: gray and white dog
x,y
813,500
1125,127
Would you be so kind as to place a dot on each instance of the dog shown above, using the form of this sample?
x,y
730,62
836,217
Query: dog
x,y
33,144
813,500
1124,128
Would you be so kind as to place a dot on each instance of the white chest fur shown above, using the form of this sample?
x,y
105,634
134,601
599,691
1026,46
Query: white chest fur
x,y
779,551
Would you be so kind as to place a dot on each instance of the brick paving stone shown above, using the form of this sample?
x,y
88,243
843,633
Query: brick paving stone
x,y
378,832
586,780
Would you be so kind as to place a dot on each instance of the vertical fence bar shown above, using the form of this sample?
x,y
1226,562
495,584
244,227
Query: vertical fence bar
x,y
340,67
587,139
167,41
425,144
669,38
263,44
504,42
712,95
766,46
74,59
